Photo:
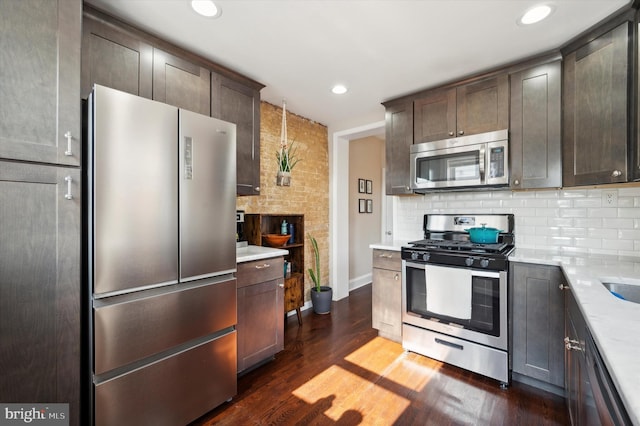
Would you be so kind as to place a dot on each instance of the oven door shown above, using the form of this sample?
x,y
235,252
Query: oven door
x,y
467,303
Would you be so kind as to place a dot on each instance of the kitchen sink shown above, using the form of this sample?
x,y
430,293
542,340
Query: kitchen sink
x,y
629,292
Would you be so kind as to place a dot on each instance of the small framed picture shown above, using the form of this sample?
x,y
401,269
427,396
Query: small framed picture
x,y
369,206
362,205
361,187
369,187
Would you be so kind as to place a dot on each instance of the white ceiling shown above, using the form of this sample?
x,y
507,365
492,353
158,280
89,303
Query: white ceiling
x,y
379,49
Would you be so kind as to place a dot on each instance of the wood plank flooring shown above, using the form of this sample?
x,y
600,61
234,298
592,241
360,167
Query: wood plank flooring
x,y
335,370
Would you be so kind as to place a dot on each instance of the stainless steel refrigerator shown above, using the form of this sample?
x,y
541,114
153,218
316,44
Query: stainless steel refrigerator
x,y
161,258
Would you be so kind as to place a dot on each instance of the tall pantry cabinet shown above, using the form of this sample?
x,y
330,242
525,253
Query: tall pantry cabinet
x,y
40,202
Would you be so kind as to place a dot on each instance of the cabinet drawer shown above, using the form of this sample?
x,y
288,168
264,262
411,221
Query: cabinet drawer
x,y
387,259
258,271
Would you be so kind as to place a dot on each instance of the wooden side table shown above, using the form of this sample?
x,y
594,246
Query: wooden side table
x,y
294,293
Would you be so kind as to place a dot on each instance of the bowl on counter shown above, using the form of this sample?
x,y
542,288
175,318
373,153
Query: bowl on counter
x,y
275,240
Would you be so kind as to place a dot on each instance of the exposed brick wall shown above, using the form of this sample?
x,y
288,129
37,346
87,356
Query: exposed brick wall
x,y
309,190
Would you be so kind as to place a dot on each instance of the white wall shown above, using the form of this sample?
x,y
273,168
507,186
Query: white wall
x,y
366,161
567,220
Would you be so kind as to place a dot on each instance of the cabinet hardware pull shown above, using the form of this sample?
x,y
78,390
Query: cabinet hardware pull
x,y
396,277
281,285
572,345
68,152
264,265
386,256
257,189
563,287
516,182
451,133
68,195
461,132
616,173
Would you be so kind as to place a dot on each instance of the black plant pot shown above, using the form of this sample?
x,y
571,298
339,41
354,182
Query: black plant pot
x,y
321,300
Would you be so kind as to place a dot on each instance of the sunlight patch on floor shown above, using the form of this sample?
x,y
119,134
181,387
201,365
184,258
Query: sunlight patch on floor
x,y
350,392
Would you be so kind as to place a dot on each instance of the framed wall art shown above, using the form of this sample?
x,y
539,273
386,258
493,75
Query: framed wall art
x,y
369,187
361,186
362,205
369,206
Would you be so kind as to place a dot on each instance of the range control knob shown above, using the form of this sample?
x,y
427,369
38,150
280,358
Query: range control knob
x,y
484,263
468,261
414,255
426,257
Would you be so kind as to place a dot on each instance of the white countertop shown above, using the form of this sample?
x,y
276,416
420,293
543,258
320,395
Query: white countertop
x,y
614,323
249,253
394,245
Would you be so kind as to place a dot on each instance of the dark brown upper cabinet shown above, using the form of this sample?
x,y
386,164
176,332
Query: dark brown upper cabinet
x,y
114,58
398,141
181,83
535,127
240,104
467,109
40,83
596,105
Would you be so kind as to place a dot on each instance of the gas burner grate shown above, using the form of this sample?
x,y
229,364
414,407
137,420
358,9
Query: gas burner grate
x,y
458,245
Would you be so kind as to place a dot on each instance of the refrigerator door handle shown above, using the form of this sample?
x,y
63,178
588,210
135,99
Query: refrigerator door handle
x,y
188,158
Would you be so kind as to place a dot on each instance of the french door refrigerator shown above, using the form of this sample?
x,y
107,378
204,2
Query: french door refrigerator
x,y
161,261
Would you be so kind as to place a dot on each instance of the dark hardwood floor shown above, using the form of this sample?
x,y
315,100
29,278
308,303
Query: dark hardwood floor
x,y
335,370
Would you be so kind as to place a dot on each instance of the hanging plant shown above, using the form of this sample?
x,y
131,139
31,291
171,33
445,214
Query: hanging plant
x,y
286,155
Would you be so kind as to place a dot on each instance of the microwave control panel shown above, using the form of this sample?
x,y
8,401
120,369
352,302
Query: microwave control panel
x,y
496,162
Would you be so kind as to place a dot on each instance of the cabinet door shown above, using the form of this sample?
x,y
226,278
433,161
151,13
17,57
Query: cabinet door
x,y
240,104
40,284
260,322
535,139
483,106
40,81
386,304
434,116
114,58
596,79
180,83
538,326
398,141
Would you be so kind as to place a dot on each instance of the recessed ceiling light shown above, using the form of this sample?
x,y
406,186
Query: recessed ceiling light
x,y
536,14
339,89
206,8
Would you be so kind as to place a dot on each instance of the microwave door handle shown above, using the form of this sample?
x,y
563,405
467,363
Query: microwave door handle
x,y
482,160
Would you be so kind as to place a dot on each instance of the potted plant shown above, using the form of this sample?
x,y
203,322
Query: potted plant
x,y
286,157
320,295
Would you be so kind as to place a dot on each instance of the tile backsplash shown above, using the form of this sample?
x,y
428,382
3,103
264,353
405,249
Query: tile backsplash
x,y
599,221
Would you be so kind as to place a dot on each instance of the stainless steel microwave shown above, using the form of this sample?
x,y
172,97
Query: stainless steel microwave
x,y
480,160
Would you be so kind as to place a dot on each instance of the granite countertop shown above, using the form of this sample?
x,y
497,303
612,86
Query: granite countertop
x,y
249,253
614,323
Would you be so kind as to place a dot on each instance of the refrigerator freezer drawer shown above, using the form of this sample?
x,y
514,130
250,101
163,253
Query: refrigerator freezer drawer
x,y
129,330
173,391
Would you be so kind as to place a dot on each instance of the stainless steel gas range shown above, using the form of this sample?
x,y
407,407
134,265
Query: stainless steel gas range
x,y
454,293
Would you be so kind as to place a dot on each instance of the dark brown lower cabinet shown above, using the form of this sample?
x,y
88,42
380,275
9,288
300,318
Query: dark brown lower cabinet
x,y
40,210
260,311
386,297
537,311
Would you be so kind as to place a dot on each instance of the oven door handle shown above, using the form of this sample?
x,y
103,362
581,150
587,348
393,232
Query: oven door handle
x,y
449,344
482,161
